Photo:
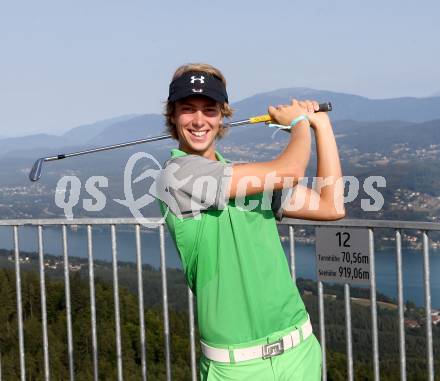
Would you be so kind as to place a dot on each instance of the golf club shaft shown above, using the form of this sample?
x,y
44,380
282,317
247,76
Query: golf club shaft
x,y
35,173
106,148
252,120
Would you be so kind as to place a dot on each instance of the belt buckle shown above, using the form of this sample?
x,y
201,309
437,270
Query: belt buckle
x,y
273,349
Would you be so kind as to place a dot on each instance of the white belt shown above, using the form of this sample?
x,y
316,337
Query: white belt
x,y
264,351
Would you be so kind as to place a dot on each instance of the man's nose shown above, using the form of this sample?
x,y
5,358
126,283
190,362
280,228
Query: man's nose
x,y
198,118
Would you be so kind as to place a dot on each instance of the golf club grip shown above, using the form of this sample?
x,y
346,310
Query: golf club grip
x,y
323,107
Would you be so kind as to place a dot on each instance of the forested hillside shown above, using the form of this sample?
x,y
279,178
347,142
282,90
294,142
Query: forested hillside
x,y
334,312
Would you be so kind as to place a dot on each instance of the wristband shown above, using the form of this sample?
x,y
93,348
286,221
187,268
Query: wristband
x,y
292,124
281,126
299,119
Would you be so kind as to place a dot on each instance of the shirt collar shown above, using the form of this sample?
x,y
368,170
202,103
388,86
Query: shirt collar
x,y
177,153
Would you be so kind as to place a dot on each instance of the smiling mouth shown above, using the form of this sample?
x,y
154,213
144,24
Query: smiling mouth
x,y
198,134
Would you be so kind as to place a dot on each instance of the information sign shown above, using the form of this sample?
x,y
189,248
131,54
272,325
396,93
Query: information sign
x,y
342,255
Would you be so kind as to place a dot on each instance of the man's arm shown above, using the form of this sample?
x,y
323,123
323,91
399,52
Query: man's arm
x,y
326,201
192,183
291,164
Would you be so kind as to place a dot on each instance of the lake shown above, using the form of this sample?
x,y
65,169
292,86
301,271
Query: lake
x,y
305,256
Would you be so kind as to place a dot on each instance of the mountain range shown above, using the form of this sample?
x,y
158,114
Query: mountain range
x,y
132,127
387,142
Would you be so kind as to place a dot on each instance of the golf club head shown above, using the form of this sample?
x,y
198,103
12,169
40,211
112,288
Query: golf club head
x,y
35,173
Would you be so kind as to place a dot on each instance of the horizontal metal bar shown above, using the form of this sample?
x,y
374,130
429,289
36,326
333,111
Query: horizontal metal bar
x,y
366,223
432,226
83,221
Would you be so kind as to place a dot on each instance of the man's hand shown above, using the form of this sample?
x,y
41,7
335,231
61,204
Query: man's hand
x,y
316,118
284,114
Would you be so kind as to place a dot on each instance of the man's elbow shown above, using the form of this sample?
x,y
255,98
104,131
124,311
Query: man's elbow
x,y
336,208
334,212
335,215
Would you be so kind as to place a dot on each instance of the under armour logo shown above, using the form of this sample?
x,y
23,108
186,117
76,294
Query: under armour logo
x,y
194,79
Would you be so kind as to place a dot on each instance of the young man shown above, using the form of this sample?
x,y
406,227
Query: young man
x,y
222,217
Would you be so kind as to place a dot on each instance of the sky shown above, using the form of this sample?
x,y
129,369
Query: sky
x,y
68,63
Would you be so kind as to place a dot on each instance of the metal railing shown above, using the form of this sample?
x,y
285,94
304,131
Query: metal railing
x,y
397,226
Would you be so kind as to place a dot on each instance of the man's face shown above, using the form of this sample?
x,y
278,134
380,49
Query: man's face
x,y
197,120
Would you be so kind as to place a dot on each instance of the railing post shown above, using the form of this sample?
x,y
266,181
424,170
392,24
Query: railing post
x,y
349,344
292,252
116,299
192,335
68,306
166,324
43,303
374,335
427,279
19,306
322,329
402,349
92,302
141,301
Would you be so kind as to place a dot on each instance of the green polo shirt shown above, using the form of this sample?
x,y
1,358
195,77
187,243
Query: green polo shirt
x,y
231,256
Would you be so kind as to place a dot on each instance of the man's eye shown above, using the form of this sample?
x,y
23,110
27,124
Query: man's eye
x,y
187,109
211,111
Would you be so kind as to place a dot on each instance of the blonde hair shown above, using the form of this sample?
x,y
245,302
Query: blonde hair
x,y
170,107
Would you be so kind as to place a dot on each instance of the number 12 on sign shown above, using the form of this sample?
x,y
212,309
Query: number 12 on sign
x,y
342,255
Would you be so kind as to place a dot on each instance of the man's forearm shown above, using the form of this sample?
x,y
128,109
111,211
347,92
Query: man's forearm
x,y
328,166
290,165
295,157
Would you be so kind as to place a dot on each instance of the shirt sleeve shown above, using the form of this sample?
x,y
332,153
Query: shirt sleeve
x,y
190,184
279,200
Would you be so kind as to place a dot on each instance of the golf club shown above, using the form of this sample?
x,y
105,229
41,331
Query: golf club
x,y
35,173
